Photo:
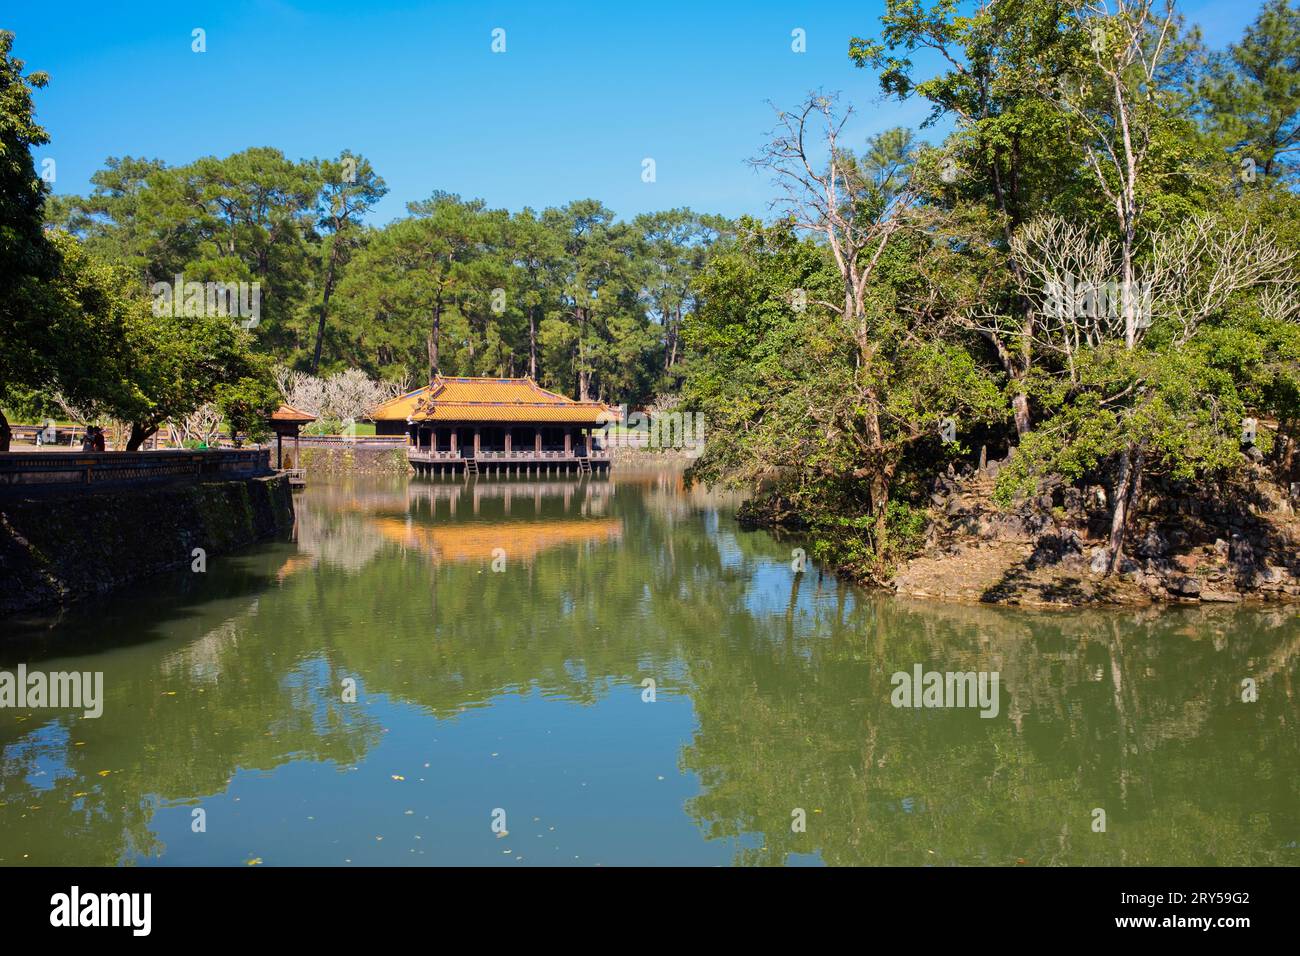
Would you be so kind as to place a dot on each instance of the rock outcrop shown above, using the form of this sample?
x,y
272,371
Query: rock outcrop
x,y
1218,545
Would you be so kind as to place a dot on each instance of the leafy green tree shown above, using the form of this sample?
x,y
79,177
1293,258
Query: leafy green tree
x,y
779,374
677,243
1011,156
1253,94
536,251
132,364
111,224
28,339
349,188
248,402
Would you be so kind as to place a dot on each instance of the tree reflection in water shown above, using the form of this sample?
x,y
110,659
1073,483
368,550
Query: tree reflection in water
x,y
607,582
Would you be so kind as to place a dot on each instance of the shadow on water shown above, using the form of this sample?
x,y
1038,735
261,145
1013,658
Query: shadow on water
x,y
140,613
500,635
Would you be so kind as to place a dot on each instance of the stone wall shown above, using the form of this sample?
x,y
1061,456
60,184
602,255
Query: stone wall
x,y
354,460
55,549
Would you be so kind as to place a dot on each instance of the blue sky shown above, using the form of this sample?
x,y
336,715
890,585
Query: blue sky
x,y
583,93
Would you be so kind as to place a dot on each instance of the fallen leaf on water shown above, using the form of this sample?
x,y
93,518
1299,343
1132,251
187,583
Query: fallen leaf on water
x,y
398,776
255,861
105,773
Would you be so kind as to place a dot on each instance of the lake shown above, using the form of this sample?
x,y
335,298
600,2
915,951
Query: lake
x,y
611,671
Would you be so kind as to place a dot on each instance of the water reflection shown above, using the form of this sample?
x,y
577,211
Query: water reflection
x,y
523,689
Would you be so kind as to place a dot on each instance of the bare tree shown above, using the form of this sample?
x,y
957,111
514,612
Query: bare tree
x,y
202,425
1119,102
1198,266
345,396
854,205
1190,273
826,191
1063,272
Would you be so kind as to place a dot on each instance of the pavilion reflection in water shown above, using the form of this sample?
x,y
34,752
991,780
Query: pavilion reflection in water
x,y
452,521
520,540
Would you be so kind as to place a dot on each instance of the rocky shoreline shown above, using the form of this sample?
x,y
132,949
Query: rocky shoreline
x,y
1220,545
1226,544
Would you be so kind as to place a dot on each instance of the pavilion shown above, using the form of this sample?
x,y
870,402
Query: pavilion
x,y
286,421
495,424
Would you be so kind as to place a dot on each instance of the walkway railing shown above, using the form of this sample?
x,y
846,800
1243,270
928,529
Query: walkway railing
x,y
23,471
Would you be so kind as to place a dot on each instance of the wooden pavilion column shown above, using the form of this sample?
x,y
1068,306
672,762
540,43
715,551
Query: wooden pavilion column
x,y
508,441
455,445
568,442
476,441
537,441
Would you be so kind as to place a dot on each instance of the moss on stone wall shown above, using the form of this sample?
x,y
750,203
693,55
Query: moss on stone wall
x,y
347,460
60,548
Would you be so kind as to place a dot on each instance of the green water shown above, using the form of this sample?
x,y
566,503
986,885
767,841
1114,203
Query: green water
x,y
521,690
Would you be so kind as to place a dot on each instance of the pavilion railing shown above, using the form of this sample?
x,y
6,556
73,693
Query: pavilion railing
x,y
515,454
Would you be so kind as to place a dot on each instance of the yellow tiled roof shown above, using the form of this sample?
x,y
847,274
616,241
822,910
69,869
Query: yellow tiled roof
x,y
488,400
287,413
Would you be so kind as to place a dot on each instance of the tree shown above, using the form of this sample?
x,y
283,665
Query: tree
x,y
779,373
111,223
536,251
349,188
418,270
1252,95
677,245
1010,153
27,335
139,364
855,206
